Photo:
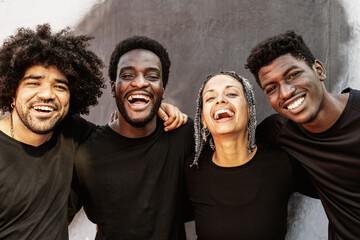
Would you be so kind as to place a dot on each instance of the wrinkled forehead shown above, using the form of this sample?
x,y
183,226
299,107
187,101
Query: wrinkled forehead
x,y
138,59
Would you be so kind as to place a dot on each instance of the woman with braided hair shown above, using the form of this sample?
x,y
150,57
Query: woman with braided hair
x,y
239,188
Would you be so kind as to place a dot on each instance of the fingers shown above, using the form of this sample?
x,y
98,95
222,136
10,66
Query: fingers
x,y
162,114
172,116
179,120
113,117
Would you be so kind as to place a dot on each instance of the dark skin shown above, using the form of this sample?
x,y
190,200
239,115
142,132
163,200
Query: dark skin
x,y
139,76
297,92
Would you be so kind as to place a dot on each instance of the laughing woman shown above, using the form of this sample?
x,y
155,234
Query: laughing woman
x,y
239,189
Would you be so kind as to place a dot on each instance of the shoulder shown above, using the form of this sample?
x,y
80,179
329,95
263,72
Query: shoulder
x,y
186,130
268,130
354,97
77,127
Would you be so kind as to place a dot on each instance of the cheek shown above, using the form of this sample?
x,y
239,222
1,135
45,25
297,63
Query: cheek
x,y
64,99
206,114
272,101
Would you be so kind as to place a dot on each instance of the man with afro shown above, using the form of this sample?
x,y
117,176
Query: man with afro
x,y
45,80
320,129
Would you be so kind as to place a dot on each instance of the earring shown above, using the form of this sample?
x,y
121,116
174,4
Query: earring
x,y
12,105
205,133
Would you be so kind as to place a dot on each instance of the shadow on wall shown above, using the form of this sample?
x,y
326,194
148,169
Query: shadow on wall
x,y
206,36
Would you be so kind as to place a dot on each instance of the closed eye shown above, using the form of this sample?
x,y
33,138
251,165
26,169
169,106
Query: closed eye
x,y
270,89
152,77
294,74
232,95
209,99
61,87
127,76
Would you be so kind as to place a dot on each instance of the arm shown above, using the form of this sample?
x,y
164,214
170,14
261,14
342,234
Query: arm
x,y
302,180
172,116
75,202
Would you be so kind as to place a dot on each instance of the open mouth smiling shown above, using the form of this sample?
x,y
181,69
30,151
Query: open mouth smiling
x,y
138,98
44,109
296,103
223,113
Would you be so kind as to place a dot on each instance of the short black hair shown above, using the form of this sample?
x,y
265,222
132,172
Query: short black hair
x,y
140,42
268,50
68,52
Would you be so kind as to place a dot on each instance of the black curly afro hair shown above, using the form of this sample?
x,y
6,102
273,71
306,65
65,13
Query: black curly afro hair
x,y
268,50
69,53
140,42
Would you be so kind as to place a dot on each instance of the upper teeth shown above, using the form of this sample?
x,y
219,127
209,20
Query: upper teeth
x,y
220,111
43,108
146,98
296,103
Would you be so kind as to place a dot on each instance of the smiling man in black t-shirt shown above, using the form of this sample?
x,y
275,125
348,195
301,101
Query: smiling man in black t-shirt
x,y
320,129
129,174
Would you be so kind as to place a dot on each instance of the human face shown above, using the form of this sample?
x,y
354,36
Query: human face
x,y
293,89
138,89
42,99
225,108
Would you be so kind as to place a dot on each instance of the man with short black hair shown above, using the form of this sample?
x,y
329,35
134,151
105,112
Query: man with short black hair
x,y
129,174
318,128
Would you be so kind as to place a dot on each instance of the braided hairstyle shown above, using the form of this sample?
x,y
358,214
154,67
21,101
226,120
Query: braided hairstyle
x,y
69,53
200,142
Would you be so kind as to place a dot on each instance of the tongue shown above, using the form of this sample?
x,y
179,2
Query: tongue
x,y
223,115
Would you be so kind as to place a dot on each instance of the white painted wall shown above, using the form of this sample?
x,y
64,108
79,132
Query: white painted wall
x,y
310,221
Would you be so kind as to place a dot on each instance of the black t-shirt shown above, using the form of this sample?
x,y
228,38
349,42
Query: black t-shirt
x,y
35,183
244,202
133,188
332,158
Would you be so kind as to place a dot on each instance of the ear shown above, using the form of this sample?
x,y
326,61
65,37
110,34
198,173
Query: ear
x,y
319,70
203,120
112,88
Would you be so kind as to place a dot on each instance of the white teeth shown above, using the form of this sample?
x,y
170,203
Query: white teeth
x,y
44,108
220,111
146,98
296,103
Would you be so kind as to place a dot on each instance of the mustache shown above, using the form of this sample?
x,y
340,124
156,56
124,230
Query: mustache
x,y
50,102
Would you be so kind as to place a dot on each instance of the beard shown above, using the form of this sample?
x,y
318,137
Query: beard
x,y
39,126
138,122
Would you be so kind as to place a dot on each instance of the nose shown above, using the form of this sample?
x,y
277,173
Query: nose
x,y
286,90
46,92
140,82
220,99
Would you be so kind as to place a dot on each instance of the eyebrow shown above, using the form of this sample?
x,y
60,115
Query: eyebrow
x,y
32,76
226,87
133,68
283,75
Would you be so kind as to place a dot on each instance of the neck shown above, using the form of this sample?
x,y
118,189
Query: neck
x,y
125,129
331,109
14,127
232,151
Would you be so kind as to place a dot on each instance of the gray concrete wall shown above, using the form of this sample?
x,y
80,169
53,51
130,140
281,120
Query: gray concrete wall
x,y
206,36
